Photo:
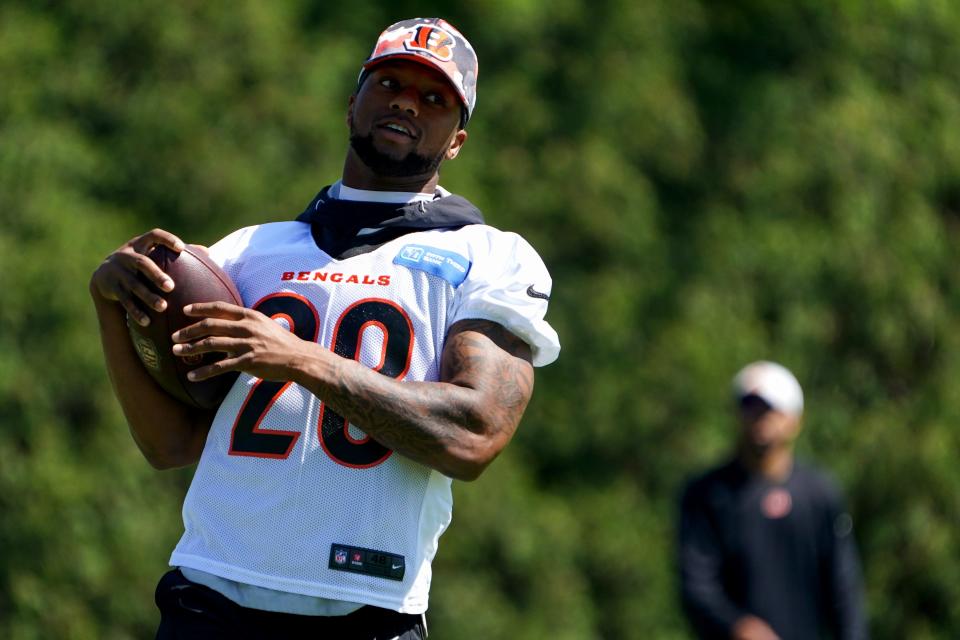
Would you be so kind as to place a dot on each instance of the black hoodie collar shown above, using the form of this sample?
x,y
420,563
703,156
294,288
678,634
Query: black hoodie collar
x,y
335,223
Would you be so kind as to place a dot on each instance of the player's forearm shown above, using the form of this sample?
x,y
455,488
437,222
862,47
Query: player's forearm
x,y
449,426
437,424
168,433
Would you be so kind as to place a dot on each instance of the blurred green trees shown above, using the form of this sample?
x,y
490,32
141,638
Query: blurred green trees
x,y
710,183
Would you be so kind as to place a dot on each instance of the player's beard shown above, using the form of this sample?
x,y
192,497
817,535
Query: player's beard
x,y
412,164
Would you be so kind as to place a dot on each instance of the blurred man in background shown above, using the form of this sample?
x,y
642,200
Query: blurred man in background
x,y
766,550
405,359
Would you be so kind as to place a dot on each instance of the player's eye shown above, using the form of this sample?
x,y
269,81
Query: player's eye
x,y
436,98
389,83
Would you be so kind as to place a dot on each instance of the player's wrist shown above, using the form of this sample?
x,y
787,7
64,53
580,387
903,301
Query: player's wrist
x,y
94,289
107,309
306,365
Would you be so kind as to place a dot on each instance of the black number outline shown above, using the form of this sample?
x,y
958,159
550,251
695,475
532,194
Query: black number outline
x,y
333,430
246,437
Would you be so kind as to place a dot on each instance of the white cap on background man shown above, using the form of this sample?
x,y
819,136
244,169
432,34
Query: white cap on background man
x,y
772,383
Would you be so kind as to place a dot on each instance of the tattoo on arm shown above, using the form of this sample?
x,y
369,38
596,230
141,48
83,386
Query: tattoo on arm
x,y
484,356
486,380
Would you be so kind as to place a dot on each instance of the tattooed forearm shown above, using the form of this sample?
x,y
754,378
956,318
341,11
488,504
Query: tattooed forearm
x,y
457,425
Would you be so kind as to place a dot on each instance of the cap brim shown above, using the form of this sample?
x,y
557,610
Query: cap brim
x,y
745,398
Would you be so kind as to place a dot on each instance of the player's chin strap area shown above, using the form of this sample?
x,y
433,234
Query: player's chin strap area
x,y
335,224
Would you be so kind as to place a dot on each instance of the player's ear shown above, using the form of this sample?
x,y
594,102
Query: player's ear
x,y
456,144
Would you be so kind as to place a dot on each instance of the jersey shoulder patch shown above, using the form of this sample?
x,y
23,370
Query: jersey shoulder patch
x,y
445,264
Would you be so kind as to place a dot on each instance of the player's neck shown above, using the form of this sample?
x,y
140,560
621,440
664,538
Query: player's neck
x,y
357,175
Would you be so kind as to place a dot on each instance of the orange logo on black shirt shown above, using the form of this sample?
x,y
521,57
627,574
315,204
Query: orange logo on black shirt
x,y
777,503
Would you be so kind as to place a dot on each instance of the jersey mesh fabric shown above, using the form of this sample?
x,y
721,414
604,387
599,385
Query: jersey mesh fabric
x,y
270,519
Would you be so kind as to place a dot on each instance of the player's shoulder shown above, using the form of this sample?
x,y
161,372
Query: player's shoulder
x,y
268,237
483,242
268,231
490,233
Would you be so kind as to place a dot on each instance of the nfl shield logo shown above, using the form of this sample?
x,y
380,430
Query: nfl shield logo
x,y
412,253
340,556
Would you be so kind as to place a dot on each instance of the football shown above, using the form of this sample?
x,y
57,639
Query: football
x,y
196,279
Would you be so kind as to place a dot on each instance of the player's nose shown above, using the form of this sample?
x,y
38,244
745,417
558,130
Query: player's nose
x,y
407,100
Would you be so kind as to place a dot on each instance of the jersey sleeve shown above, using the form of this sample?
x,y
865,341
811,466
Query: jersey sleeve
x,y
509,284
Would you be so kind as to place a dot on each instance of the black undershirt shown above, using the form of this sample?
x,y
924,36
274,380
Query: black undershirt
x,y
335,224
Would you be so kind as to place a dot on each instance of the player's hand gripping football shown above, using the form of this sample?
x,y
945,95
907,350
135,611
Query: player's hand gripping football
x,y
253,342
117,278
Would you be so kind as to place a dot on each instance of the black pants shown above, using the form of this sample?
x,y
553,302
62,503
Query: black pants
x,y
190,611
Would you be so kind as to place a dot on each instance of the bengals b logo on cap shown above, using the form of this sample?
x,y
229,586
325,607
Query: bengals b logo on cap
x,y
433,41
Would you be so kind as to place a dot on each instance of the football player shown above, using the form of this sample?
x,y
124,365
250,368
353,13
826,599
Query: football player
x,y
386,346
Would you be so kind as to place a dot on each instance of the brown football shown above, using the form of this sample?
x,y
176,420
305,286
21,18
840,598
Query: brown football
x,y
196,279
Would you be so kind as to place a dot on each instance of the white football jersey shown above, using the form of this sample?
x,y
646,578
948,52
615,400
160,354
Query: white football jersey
x,y
290,497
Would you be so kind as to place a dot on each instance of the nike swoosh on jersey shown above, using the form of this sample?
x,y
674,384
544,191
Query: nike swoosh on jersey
x,y
533,293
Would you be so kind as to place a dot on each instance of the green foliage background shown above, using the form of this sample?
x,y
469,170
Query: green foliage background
x,y
709,182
